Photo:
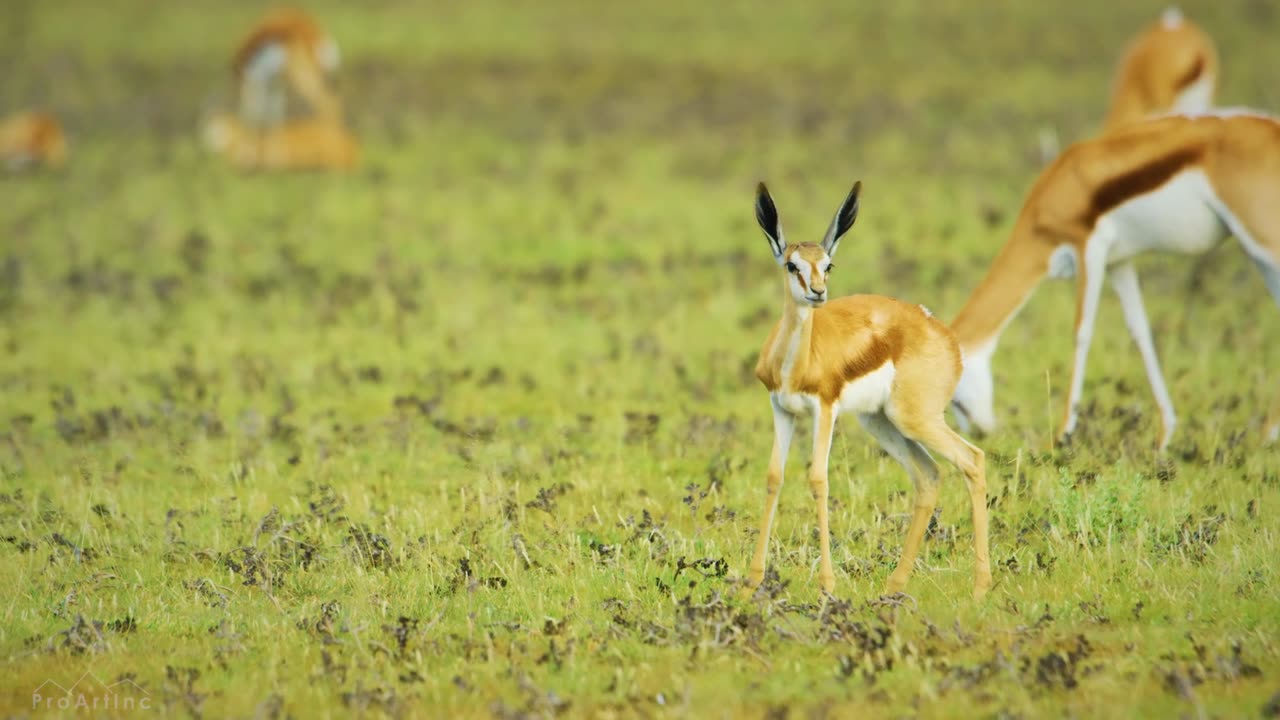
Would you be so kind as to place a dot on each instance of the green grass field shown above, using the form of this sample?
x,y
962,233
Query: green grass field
x,y
473,431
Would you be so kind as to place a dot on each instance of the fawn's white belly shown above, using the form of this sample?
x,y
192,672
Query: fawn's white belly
x,y
866,394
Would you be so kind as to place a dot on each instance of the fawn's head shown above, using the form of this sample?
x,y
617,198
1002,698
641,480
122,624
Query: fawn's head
x,y
807,265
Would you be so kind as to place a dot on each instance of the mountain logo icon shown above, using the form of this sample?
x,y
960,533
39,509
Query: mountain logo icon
x,y
89,692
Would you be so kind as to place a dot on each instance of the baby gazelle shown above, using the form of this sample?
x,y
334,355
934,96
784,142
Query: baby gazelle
x,y
891,364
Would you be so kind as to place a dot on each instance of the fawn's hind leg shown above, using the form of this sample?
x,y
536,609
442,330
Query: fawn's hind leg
x,y
973,463
924,476
930,429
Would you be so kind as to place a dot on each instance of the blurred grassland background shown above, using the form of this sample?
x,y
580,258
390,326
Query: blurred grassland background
x,y
473,429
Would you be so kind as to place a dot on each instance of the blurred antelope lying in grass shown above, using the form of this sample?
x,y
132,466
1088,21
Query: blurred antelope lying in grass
x,y
286,51
1174,184
296,145
889,363
32,139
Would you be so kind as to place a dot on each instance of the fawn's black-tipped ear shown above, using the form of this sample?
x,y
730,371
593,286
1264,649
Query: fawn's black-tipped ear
x,y
845,216
767,216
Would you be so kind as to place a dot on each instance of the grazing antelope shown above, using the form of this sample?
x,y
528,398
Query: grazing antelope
x,y
310,144
891,364
1172,66
1176,184
287,45
30,139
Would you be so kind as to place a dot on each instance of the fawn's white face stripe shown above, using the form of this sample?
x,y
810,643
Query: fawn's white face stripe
x,y
804,272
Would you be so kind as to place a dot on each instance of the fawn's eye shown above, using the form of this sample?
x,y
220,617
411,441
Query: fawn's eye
x,y
791,267
830,268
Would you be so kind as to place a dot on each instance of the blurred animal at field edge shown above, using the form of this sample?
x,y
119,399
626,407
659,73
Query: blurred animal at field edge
x,y
30,139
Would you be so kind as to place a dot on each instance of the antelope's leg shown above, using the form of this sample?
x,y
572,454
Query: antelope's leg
x,y
1124,280
1092,273
933,433
924,476
784,426
1271,275
823,426
1259,234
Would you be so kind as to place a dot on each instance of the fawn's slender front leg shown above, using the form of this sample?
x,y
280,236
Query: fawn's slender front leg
x,y
784,426
824,424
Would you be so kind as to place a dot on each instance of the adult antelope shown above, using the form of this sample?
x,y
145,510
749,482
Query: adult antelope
x,y
286,46
1172,66
1176,184
891,364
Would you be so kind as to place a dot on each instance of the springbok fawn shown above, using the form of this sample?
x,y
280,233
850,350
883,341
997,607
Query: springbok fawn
x,y
1175,184
890,363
